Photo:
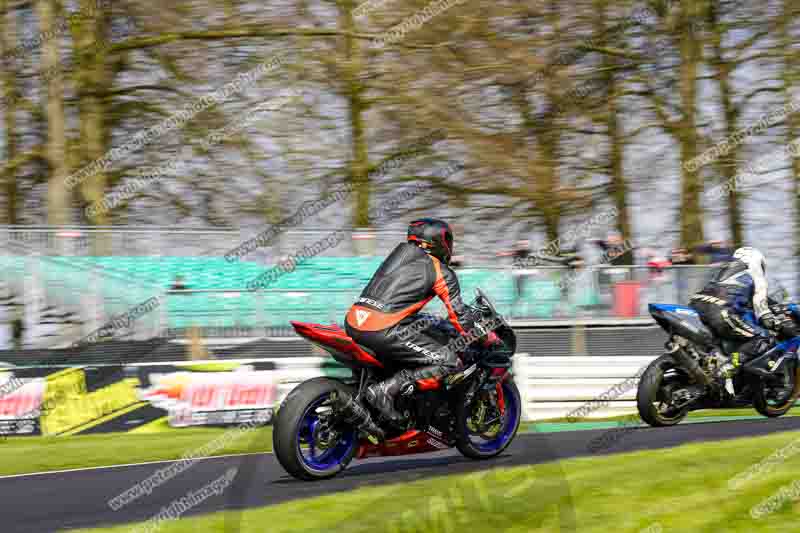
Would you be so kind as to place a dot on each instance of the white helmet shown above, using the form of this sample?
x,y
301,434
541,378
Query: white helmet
x,y
751,256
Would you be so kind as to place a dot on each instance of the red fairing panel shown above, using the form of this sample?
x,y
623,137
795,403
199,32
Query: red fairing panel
x,y
429,384
412,441
343,348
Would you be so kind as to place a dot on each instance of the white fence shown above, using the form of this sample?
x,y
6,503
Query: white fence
x,y
554,387
551,387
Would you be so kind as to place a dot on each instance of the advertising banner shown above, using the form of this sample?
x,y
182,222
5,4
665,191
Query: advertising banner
x,y
78,400
194,398
20,404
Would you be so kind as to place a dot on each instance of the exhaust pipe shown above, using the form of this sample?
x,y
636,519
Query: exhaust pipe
x,y
355,414
690,365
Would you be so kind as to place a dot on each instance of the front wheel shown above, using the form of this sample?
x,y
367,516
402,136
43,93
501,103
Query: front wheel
x,y
484,429
776,398
654,396
306,441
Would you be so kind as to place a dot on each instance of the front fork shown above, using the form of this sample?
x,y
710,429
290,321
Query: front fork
x,y
488,387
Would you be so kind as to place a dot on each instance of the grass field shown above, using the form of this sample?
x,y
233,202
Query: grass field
x,y
42,454
683,489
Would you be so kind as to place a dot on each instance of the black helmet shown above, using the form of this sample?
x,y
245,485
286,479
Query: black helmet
x,y
434,236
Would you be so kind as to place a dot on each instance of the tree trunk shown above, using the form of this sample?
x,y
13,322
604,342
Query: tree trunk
x,y
549,139
8,39
57,195
359,163
618,186
548,187
692,186
728,162
93,83
789,75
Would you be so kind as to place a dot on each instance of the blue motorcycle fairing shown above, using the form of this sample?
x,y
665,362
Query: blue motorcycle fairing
x,y
683,321
747,316
671,308
788,346
688,315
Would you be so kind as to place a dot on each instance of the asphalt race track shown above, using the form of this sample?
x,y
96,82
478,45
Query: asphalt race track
x,y
58,501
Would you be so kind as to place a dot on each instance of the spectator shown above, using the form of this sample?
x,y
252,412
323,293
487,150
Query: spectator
x,y
574,263
718,251
681,258
613,253
613,248
457,261
656,265
520,252
18,329
657,278
179,285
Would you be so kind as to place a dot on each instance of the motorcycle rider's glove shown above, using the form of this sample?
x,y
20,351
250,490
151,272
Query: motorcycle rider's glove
x,y
778,309
491,339
487,337
768,321
786,326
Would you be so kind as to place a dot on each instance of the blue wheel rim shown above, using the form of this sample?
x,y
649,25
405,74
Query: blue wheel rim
x,y
325,459
505,434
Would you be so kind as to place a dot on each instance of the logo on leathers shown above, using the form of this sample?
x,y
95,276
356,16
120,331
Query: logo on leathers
x,y
361,316
370,301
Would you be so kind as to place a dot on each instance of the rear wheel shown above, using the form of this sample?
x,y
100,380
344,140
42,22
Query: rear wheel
x,y
483,431
306,442
654,396
775,398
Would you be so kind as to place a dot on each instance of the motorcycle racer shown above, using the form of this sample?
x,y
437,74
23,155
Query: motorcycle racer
x,y
414,273
739,286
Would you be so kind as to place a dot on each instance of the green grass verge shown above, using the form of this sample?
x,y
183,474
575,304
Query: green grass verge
x,y
42,454
704,413
681,489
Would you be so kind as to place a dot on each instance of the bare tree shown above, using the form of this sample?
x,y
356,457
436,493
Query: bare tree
x,y
58,204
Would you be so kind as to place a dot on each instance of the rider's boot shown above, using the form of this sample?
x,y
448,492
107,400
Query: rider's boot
x,y
382,395
355,413
728,368
725,365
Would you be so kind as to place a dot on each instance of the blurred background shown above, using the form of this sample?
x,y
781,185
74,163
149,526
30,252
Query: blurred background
x,y
641,142
181,179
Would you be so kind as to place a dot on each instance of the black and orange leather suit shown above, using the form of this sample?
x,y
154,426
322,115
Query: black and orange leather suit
x,y
389,305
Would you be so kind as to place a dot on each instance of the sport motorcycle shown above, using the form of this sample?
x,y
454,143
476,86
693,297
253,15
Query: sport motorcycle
x,y
319,430
700,371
